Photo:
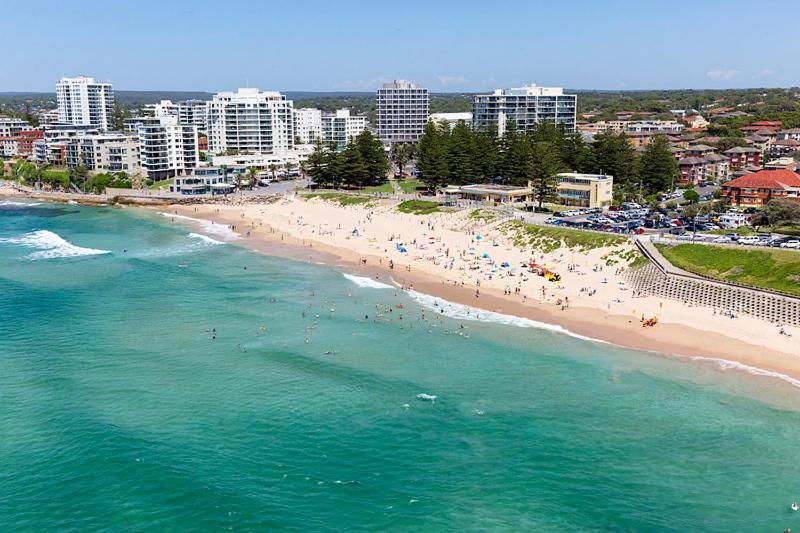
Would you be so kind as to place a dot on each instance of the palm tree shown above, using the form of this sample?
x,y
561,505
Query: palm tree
x,y
273,168
289,167
251,175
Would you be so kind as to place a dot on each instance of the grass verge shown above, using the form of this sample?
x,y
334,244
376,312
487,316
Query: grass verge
x,y
769,269
418,207
340,198
549,239
409,186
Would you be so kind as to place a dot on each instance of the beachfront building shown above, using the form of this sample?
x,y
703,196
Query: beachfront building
x,y
490,192
51,149
307,125
82,101
10,126
21,144
286,163
525,106
451,119
758,188
403,109
250,121
585,190
341,127
168,149
206,181
574,189
104,152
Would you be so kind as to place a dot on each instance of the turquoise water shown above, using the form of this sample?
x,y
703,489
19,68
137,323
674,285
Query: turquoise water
x,y
178,384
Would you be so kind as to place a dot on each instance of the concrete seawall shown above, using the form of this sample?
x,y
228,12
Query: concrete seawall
x,y
661,278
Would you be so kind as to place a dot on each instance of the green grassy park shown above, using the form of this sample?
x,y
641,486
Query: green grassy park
x,y
768,268
418,207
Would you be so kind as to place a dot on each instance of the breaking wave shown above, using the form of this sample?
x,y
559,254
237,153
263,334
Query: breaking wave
x,y
51,245
207,226
466,312
367,283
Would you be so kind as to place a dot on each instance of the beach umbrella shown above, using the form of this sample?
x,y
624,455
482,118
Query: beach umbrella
x,y
478,237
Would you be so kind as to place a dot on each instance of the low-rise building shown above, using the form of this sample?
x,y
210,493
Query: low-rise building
x,y
574,189
783,147
451,119
782,163
585,190
20,145
758,188
654,126
206,180
741,156
10,126
104,152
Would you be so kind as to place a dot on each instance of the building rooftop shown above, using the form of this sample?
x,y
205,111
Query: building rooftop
x,y
766,179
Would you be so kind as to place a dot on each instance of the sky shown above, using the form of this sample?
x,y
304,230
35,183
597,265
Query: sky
x,y
448,46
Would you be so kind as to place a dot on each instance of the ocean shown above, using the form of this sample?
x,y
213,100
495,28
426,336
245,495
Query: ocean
x,y
155,376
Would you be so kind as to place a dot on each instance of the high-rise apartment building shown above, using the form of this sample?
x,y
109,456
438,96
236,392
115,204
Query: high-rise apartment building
x,y
82,101
402,111
250,121
526,106
341,127
307,125
189,112
194,113
168,149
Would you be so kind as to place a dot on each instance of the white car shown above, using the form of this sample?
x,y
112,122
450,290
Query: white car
x,y
722,240
748,240
793,244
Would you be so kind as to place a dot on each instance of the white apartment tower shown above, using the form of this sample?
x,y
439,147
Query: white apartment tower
x,y
307,124
250,121
341,127
402,111
526,106
188,112
168,148
84,102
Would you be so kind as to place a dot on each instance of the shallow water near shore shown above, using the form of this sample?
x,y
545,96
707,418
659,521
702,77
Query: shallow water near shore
x,y
155,379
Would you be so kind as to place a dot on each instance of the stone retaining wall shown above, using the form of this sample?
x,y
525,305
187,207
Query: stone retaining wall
x,y
772,307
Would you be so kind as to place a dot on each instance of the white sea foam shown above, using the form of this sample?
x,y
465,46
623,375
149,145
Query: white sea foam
x,y
726,364
51,245
21,204
367,283
428,397
466,312
205,238
206,226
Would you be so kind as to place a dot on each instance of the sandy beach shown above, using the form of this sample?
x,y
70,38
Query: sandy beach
x,y
457,258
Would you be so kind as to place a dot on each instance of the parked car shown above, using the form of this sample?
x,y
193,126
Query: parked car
x,y
794,244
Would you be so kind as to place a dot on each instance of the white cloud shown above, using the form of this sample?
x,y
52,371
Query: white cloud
x,y
360,85
765,73
722,74
446,81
